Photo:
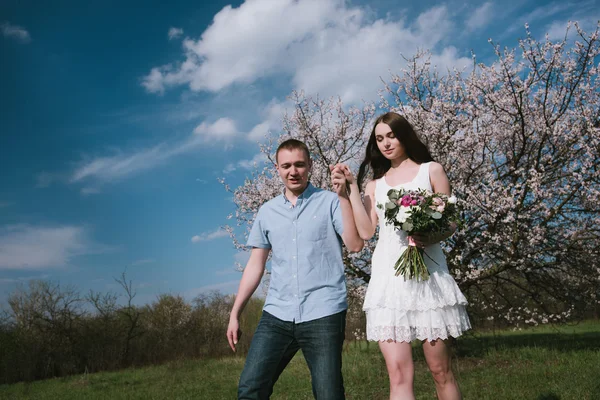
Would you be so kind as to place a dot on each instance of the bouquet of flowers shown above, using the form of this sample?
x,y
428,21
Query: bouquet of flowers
x,y
419,211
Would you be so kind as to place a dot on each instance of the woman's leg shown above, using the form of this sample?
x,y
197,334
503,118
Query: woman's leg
x,y
399,363
438,357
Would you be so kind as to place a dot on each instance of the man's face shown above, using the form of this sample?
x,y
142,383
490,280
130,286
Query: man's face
x,y
293,167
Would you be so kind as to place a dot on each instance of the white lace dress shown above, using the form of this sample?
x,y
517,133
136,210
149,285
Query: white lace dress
x,y
403,311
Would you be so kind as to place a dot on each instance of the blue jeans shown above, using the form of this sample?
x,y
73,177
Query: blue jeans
x,y
275,343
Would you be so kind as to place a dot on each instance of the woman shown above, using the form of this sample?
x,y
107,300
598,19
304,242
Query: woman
x,y
398,310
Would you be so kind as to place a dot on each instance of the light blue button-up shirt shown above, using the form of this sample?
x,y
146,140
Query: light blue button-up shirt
x,y
307,272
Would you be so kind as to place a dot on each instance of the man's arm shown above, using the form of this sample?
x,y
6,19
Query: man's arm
x,y
251,277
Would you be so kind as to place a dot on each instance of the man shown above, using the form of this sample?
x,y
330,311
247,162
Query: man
x,y
305,308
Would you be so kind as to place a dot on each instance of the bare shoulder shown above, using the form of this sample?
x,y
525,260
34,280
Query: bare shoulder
x,y
436,168
370,188
439,179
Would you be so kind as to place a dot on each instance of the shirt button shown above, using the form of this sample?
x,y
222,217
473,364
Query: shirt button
x,y
295,295
294,276
294,239
294,257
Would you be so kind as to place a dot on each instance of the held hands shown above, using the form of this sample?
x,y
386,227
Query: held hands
x,y
341,179
233,332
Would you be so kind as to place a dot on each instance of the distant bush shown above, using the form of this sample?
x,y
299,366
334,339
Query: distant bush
x,y
52,331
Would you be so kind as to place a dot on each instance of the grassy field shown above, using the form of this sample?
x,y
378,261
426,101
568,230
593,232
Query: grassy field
x,y
546,363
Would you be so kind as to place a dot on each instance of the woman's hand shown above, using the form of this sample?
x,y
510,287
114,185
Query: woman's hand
x,y
347,174
422,240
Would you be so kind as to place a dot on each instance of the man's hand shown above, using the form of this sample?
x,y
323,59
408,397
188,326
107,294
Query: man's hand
x,y
338,180
233,332
341,178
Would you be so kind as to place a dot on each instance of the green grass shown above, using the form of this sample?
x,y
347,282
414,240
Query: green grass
x,y
545,363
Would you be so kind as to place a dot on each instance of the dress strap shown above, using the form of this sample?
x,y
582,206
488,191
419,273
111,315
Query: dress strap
x,y
423,178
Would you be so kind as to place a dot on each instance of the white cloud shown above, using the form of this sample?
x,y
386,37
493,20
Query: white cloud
x,y
273,115
113,168
89,190
142,262
558,29
257,160
153,82
28,247
221,129
206,236
15,32
480,17
174,33
325,46
539,13
260,131
98,170
24,279
545,11
45,179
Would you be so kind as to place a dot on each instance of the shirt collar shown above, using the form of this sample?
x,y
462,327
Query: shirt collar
x,y
307,192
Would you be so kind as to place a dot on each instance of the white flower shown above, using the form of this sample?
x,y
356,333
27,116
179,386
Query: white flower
x,y
436,215
452,199
402,215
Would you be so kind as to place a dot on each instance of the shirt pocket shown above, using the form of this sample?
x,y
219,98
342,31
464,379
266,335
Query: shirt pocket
x,y
316,228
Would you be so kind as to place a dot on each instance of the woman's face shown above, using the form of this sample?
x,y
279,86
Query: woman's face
x,y
388,144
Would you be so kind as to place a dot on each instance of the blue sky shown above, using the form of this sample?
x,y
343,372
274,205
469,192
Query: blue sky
x,y
117,118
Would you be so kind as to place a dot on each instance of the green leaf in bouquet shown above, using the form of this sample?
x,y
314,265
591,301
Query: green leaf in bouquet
x,y
407,226
436,215
390,206
393,194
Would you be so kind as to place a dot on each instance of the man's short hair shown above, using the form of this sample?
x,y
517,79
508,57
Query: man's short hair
x,y
292,144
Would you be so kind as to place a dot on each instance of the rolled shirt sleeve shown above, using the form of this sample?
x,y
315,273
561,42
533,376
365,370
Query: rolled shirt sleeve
x,y
336,214
258,237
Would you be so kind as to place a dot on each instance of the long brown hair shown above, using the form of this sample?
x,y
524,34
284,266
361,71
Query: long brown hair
x,y
404,132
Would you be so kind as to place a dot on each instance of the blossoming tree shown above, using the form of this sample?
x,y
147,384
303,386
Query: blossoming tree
x,y
520,141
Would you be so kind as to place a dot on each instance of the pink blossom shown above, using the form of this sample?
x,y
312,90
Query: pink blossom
x,y
525,210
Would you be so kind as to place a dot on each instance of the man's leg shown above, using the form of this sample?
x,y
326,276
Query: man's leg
x,y
321,342
272,347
